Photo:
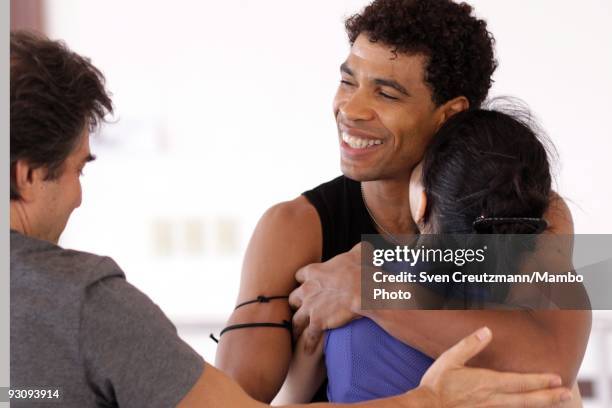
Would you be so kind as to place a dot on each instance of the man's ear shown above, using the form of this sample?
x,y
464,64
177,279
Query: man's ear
x,y
28,179
455,105
421,207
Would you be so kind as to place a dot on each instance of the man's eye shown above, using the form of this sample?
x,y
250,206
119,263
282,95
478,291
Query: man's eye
x,y
387,96
345,82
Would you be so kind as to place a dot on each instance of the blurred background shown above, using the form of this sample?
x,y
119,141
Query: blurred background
x,y
224,109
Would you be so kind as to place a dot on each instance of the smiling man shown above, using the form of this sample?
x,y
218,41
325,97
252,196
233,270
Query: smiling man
x,y
412,65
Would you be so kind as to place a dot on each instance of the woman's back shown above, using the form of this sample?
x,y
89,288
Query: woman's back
x,y
364,362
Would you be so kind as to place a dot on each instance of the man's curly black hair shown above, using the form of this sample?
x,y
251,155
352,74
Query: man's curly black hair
x,y
458,47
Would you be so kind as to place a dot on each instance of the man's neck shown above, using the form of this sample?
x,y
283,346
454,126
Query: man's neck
x,y
20,221
389,204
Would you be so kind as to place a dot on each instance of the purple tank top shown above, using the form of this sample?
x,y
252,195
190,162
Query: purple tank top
x,y
364,362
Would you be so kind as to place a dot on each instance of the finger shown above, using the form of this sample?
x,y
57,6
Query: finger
x,y
312,336
519,383
301,320
302,274
366,253
534,399
296,298
366,247
467,348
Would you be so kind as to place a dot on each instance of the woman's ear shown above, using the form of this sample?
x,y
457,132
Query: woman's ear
x,y
421,207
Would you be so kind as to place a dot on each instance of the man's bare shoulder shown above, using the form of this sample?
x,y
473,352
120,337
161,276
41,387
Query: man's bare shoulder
x,y
293,226
298,212
287,237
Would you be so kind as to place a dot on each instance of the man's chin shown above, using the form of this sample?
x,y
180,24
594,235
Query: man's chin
x,y
359,174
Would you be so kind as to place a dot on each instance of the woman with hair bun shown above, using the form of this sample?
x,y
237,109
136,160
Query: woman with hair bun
x,y
485,171
482,165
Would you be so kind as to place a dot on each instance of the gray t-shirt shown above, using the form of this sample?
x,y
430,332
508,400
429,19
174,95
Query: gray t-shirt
x,y
77,324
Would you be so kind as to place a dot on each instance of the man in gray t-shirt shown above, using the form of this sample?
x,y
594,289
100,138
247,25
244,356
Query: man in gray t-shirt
x,y
79,327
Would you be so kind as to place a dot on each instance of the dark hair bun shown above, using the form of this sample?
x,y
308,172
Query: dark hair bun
x,y
486,163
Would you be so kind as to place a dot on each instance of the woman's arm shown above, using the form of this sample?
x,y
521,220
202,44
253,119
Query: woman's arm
x,y
306,375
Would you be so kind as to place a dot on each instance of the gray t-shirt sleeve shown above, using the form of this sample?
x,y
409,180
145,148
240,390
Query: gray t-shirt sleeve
x,y
132,353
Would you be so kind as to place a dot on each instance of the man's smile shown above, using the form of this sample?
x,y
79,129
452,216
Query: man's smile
x,y
356,142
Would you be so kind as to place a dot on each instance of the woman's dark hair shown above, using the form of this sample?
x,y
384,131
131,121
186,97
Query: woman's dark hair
x,y
55,95
490,164
457,45
485,163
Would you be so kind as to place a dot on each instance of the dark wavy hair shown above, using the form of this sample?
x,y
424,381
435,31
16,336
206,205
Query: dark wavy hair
x,y
458,47
55,93
486,163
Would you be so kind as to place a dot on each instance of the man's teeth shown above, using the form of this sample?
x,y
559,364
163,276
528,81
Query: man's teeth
x,y
359,143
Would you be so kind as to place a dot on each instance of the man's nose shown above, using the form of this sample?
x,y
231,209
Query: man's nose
x,y
356,107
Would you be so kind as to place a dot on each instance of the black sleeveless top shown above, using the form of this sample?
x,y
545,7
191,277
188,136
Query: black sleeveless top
x,y
343,215
344,218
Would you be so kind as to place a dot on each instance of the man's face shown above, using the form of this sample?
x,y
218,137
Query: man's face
x,y
56,199
384,112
